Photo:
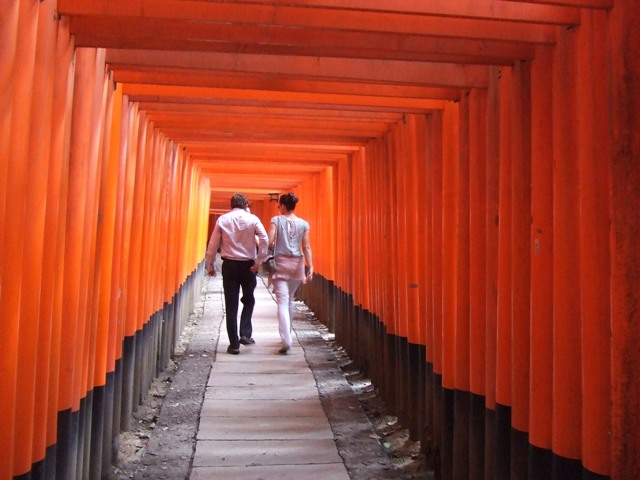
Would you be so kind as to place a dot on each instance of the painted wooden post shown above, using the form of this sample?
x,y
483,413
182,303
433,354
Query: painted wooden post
x,y
594,180
56,219
477,245
477,281
567,398
503,398
436,166
20,351
541,401
520,263
492,270
624,131
450,154
492,233
33,330
73,290
461,316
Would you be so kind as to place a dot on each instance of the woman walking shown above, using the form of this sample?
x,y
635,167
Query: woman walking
x,y
291,236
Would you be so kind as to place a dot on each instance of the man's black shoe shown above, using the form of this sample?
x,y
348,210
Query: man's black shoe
x,y
233,351
247,340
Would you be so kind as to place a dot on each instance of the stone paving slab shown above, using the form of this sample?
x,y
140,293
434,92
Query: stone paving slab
x,y
330,471
226,379
272,392
264,428
307,407
234,453
252,368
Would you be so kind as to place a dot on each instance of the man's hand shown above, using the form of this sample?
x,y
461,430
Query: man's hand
x,y
212,273
255,267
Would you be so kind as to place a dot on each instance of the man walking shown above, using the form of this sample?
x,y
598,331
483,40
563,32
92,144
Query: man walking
x,y
235,235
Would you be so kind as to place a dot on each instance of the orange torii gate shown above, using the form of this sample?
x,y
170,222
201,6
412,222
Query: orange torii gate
x,y
469,169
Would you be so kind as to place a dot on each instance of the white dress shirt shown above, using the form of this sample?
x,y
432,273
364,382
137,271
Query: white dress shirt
x,y
235,235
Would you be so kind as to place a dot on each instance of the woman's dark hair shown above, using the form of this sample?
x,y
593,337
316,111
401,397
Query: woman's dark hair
x,y
289,200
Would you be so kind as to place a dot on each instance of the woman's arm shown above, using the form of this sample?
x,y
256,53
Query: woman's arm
x,y
306,251
271,234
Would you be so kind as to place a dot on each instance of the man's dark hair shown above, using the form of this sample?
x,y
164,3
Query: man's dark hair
x,y
289,200
239,200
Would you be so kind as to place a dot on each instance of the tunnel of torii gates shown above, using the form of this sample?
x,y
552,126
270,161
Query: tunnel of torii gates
x,y
469,170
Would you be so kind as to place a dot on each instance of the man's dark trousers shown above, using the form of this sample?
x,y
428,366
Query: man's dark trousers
x,y
237,274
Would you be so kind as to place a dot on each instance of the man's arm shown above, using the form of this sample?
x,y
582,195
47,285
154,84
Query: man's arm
x,y
263,242
212,248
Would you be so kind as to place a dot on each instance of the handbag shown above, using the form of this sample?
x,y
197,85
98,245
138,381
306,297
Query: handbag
x,y
269,265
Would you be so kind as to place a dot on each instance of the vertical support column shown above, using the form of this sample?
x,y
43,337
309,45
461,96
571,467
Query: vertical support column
x,y
503,329
567,398
104,266
594,180
450,132
541,400
521,264
72,320
624,131
449,220
461,317
50,314
35,331
111,290
436,126
477,239
19,352
126,322
492,184
414,222
477,280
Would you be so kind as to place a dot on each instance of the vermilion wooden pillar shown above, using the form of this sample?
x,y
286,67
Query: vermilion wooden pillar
x,y
462,247
17,400
477,282
541,401
461,428
450,133
594,180
72,314
126,322
504,371
477,239
520,243
567,397
396,324
492,225
56,218
624,131
423,230
34,330
503,330
435,169
492,184
134,322
402,169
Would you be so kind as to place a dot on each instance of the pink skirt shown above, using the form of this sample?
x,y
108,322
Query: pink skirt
x,y
289,268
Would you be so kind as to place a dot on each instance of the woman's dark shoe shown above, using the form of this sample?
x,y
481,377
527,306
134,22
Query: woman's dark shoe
x,y
283,350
